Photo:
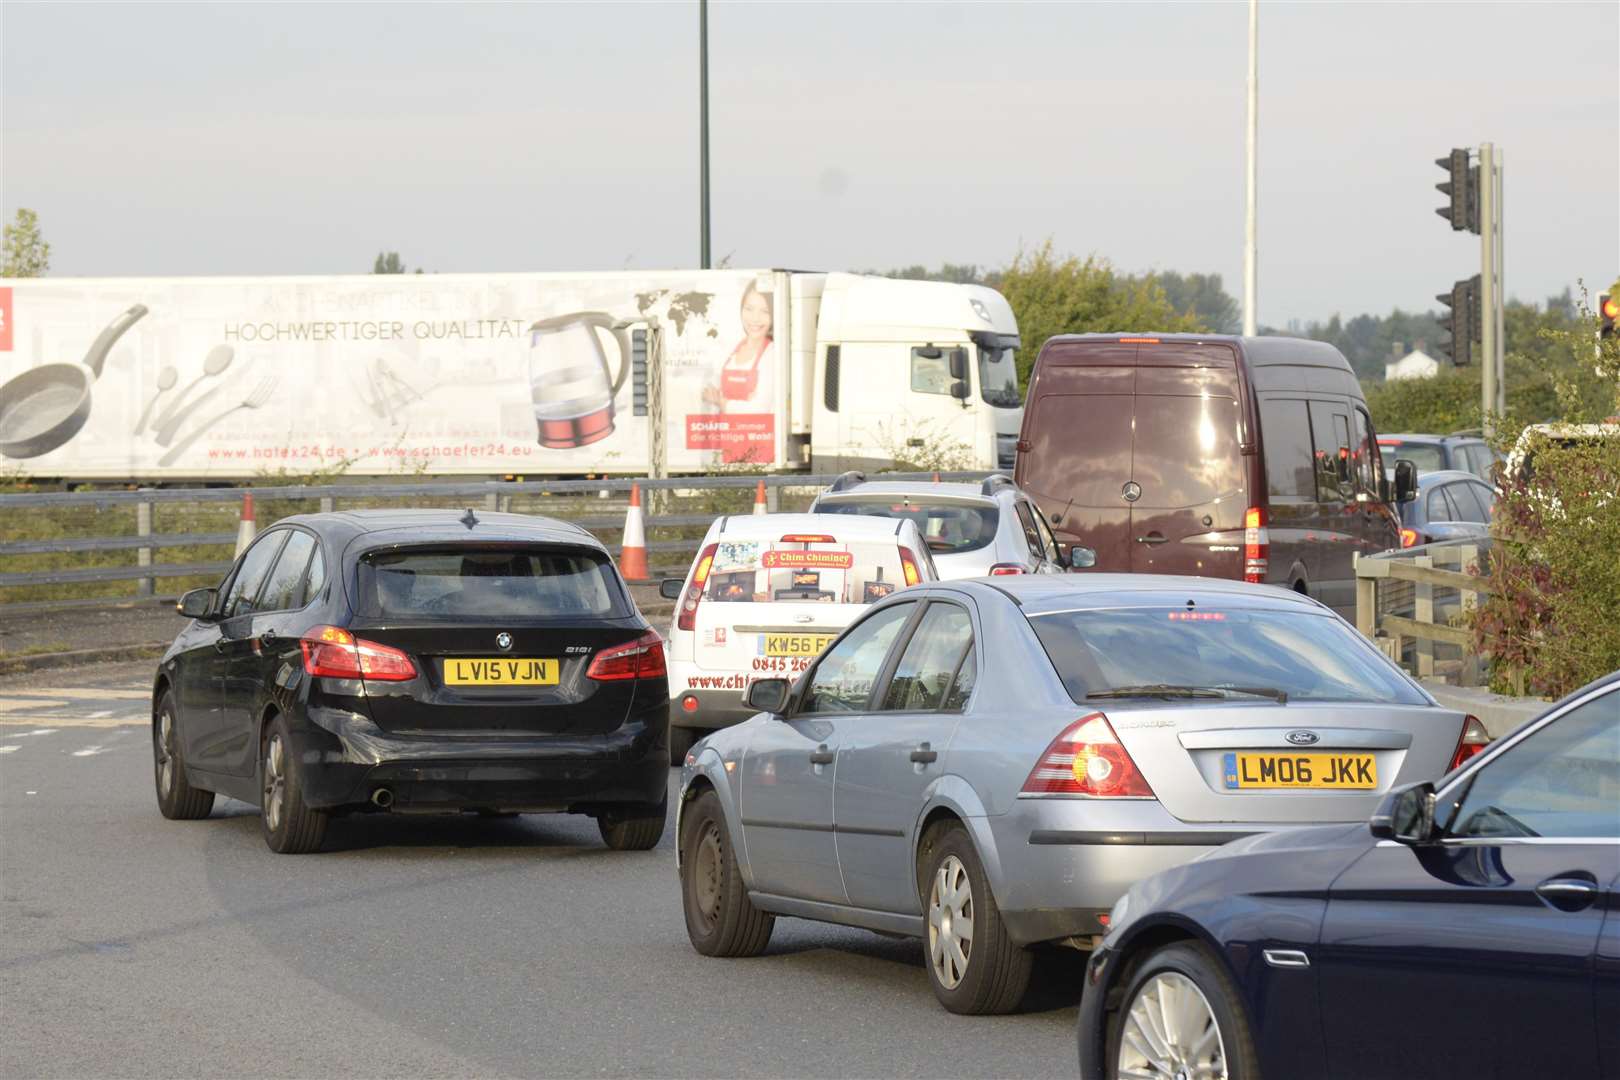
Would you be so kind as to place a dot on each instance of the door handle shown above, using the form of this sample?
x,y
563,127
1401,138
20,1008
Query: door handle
x,y
822,756
1568,894
1153,538
924,755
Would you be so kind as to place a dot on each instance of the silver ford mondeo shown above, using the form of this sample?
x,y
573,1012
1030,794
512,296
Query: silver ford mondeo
x,y
989,764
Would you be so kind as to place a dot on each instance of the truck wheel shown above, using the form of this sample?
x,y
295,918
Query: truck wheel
x,y
633,828
720,919
974,968
177,799
290,827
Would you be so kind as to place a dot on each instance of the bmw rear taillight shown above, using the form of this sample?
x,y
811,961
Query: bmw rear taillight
x,y
1003,569
1087,758
908,567
686,617
642,658
1256,545
333,653
1474,740
1409,538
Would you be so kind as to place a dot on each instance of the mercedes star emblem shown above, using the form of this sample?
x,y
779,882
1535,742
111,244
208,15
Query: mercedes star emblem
x,y
503,641
1132,491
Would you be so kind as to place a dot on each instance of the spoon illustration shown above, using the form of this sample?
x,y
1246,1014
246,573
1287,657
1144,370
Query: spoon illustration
x,y
219,358
166,380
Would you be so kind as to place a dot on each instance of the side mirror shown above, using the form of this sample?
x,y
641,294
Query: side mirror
x,y
670,588
1082,558
1405,481
767,695
960,391
1406,815
959,364
198,604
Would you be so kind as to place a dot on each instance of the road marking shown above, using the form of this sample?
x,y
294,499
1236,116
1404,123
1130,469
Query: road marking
x,y
9,749
90,751
25,734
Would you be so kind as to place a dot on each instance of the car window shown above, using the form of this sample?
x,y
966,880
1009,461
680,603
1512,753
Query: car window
x,y
1307,656
843,678
1369,463
317,577
1425,457
281,592
1330,434
480,582
1032,534
250,575
1285,425
1435,507
1466,497
947,528
1564,780
967,673
804,568
931,374
1048,541
923,676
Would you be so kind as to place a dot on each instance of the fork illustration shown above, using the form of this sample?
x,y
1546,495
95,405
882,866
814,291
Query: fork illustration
x,y
260,394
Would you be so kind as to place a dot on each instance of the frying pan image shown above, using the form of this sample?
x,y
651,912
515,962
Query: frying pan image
x,y
46,406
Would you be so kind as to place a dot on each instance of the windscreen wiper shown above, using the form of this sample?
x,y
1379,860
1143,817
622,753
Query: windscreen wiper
x,y
1169,690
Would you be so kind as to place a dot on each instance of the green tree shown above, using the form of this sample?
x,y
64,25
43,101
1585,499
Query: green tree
x,y
388,262
956,273
1052,295
26,252
1204,296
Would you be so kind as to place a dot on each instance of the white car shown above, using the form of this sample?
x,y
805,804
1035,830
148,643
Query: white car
x,y
765,595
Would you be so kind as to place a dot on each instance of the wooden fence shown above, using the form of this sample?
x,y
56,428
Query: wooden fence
x,y
1422,597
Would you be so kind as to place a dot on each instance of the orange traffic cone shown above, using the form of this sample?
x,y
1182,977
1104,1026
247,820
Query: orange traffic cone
x,y
633,552
248,528
759,500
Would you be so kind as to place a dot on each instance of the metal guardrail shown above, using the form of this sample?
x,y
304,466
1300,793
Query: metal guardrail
x,y
1435,582
492,495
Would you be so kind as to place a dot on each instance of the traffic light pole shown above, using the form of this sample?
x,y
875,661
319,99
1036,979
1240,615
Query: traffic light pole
x,y
1490,369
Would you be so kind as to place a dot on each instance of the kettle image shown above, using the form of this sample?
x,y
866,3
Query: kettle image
x,y
570,380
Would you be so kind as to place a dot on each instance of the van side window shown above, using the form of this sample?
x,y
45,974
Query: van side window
x,y
1285,428
1330,433
931,374
1369,462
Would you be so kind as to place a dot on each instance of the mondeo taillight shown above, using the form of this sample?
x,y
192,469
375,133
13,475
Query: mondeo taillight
x,y
642,658
908,567
334,653
686,617
1087,758
1256,545
1474,740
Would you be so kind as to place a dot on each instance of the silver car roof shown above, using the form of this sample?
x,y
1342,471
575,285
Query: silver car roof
x,y
1038,594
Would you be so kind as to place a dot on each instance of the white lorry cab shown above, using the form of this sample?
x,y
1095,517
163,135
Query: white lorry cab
x,y
678,372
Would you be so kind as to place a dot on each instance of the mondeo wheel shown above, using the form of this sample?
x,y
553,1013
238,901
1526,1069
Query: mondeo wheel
x,y
950,922
973,966
177,799
720,919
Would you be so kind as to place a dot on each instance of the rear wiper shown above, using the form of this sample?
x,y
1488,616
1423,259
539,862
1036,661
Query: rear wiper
x,y
1168,690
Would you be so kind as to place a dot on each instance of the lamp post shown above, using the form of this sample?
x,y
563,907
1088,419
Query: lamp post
x,y
703,132
1251,217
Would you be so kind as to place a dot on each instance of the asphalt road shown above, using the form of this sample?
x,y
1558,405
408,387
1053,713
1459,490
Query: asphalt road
x,y
135,946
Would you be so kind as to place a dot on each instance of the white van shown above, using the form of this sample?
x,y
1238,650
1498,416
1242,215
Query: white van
x,y
765,595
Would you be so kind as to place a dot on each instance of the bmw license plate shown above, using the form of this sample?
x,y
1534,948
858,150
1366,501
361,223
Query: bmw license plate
x,y
499,671
794,644
1261,770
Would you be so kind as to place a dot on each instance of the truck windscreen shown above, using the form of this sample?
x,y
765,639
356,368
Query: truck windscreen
x,y
998,377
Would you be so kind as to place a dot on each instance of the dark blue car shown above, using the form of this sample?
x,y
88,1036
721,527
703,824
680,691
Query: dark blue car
x,y
1471,929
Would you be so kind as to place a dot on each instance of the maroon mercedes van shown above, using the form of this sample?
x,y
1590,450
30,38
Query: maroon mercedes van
x,y
1246,458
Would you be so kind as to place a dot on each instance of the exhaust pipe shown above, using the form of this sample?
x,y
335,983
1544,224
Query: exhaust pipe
x,y
382,798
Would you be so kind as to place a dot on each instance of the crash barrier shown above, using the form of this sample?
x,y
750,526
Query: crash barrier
x,y
1414,603
73,548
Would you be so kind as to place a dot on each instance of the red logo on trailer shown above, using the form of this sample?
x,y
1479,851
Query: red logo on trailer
x,y
5,319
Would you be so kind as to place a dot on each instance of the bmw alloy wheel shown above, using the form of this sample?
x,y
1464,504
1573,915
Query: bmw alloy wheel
x,y
275,782
950,922
165,753
1170,1031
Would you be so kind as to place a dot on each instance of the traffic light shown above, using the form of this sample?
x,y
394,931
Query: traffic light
x,y
1465,321
1462,187
1608,311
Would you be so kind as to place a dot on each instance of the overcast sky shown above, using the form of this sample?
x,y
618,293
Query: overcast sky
x,y
302,138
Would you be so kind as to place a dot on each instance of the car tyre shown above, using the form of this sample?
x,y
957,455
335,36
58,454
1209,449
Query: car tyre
x,y
680,741
177,799
634,828
1211,1033
720,919
291,827
973,966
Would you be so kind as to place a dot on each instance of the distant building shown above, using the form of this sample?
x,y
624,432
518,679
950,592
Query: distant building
x,y
1416,364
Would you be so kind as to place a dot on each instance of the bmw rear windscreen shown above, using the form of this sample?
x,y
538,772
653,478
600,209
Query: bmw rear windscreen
x,y
483,583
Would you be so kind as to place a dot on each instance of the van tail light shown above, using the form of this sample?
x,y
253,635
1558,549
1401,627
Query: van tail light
x,y
908,567
1474,741
1256,545
686,619
333,653
1002,569
1409,538
642,658
1087,758
808,538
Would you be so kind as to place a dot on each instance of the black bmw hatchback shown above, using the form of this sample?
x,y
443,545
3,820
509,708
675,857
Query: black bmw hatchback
x,y
429,661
